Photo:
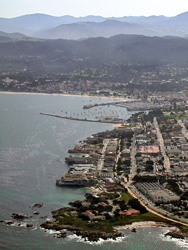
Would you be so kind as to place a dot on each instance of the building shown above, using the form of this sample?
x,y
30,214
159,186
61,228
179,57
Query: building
x,y
129,212
152,149
156,193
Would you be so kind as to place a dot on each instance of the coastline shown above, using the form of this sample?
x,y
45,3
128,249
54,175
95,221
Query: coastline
x,y
146,224
62,94
96,236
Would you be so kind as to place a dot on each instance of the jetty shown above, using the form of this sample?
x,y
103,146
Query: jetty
x,y
134,105
84,120
89,106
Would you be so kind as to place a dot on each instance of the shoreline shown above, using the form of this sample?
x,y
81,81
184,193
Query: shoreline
x,y
94,236
142,224
62,94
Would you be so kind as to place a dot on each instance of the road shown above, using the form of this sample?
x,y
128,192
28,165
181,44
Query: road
x,y
162,146
133,169
118,155
152,208
184,130
101,159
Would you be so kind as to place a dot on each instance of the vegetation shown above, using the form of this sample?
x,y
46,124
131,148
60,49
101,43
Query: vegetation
x,y
125,197
109,224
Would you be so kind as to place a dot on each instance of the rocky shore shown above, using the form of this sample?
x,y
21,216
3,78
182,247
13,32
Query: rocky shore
x,y
177,234
89,235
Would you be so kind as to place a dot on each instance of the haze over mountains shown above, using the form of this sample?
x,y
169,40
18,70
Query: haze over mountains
x,y
68,27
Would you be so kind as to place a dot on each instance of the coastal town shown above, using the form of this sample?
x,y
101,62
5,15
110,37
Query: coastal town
x,y
94,125
136,172
135,81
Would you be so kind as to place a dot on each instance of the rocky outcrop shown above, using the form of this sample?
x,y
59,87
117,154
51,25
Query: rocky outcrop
x,y
55,226
36,213
62,235
39,205
29,225
176,234
19,216
95,236
90,235
9,223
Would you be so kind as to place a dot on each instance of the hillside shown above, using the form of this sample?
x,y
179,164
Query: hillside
x,y
82,30
62,55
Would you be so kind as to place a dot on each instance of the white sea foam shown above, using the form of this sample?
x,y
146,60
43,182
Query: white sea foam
x,y
35,228
99,242
182,243
50,231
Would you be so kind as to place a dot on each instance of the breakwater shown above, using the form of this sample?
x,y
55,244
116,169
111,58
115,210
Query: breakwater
x,y
89,106
83,120
134,105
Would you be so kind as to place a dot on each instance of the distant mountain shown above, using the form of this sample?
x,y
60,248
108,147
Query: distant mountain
x,y
28,24
8,37
13,35
142,19
41,24
107,28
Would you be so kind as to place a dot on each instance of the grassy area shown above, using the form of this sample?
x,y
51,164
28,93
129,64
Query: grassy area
x,y
125,197
108,225
175,115
123,220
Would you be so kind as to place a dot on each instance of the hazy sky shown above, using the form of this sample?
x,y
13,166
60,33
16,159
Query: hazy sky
x,y
107,8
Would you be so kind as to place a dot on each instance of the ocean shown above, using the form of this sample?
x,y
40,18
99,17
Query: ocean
x,y
32,152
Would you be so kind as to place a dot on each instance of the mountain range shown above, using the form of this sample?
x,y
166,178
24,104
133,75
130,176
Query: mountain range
x,y
69,27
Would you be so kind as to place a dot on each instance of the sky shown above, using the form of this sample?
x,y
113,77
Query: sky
x,y
106,8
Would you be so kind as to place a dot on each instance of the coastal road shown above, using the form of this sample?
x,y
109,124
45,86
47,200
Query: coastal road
x,y
155,210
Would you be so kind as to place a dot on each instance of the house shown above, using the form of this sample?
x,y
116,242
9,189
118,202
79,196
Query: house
x,y
133,211
129,212
78,147
89,214
100,217
151,149
86,204
103,204
73,213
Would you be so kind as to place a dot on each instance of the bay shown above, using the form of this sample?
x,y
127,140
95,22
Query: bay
x,y
32,152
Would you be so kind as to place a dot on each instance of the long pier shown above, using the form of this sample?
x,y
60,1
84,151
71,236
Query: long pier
x,y
82,120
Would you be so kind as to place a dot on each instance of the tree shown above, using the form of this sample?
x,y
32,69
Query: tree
x,y
134,203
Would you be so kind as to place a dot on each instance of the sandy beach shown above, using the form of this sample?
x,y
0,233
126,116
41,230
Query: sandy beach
x,y
57,94
145,224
